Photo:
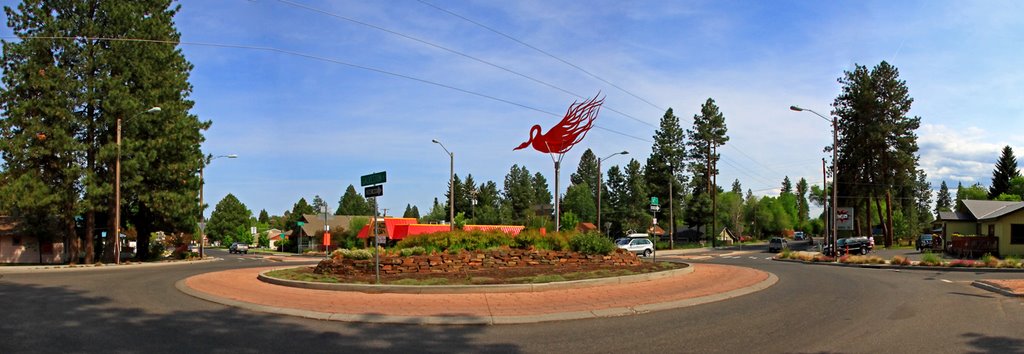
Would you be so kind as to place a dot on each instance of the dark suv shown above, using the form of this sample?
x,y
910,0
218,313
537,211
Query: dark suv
x,y
924,242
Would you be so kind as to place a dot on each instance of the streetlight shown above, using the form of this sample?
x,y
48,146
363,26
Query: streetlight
x,y
599,185
835,177
117,188
451,186
202,214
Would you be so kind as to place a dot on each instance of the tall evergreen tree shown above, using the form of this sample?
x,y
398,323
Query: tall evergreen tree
x,y
298,210
488,204
542,193
587,173
353,203
264,218
408,211
103,80
803,209
703,139
319,205
877,141
615,206
944,202
415,212
665,165
518,194
736,187
635,198
1006,169
787,185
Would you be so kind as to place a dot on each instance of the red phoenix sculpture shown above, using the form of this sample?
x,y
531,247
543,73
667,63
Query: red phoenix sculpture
x,y
570,131
562,137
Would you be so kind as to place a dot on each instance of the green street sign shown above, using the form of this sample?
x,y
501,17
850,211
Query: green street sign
x,y
654,200
374,178
300,223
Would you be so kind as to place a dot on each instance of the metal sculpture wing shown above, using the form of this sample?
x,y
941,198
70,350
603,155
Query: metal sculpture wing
x,y
578,119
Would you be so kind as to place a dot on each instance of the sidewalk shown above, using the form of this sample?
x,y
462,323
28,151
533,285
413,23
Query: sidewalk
x,y
707,283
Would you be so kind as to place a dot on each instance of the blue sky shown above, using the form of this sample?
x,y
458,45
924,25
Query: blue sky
x,y
337,99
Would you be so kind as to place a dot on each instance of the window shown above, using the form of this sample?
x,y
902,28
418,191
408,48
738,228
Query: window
x,y
991,230
1017,234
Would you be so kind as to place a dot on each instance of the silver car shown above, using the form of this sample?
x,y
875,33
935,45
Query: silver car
x,y
636,243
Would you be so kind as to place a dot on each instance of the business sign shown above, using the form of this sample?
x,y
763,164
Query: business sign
x,y
374,178
373,191
844,218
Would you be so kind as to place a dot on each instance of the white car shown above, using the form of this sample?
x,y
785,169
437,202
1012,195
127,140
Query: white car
x,y
636,243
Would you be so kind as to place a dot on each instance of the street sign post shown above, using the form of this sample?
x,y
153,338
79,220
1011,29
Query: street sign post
x,y
373,191
373,178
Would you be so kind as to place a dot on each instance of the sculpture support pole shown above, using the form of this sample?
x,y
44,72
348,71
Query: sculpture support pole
x,y
558,215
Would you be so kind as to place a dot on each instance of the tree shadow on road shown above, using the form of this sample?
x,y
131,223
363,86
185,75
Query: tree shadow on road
x,y
988,344
59,319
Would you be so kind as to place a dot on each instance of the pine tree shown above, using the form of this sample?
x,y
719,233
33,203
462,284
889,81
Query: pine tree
x,y
101,81
703,139
319,205
38,130
300,209
586,172
1006,169
944,201
264,218
518,194
415,212
877,139
665,165
408,211
803,209
353,203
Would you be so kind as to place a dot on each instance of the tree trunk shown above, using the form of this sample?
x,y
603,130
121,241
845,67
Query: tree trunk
x,y
73,244
888,223
881,219
90,237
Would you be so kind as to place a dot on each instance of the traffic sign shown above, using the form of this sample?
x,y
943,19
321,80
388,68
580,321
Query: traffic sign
x,y
382,240
655,208
300,223
654,200
374,178
373,191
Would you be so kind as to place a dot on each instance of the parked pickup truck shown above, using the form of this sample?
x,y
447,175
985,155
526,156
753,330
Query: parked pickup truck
x,y
860,245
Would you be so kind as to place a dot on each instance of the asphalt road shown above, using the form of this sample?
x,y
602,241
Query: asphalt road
x,y
811,309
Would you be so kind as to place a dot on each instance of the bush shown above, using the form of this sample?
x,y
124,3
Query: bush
x,y
990,261
930,259
412,251
1011,262
351,254
591,243
156,250
899,260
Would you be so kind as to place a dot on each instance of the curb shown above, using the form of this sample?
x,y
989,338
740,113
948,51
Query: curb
x,y
481,320
986,285
897,267
87,267
473,289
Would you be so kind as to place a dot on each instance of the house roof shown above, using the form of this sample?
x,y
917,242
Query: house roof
x,y
954,216
991,209
314,223
586,226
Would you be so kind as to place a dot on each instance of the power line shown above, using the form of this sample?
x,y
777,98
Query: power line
x,y
456,52
315,57
542,52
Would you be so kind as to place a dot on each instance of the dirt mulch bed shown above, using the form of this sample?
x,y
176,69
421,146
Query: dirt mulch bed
x,y
507,275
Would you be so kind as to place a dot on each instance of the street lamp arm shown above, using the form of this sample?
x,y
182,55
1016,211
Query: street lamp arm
x,y
798,109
